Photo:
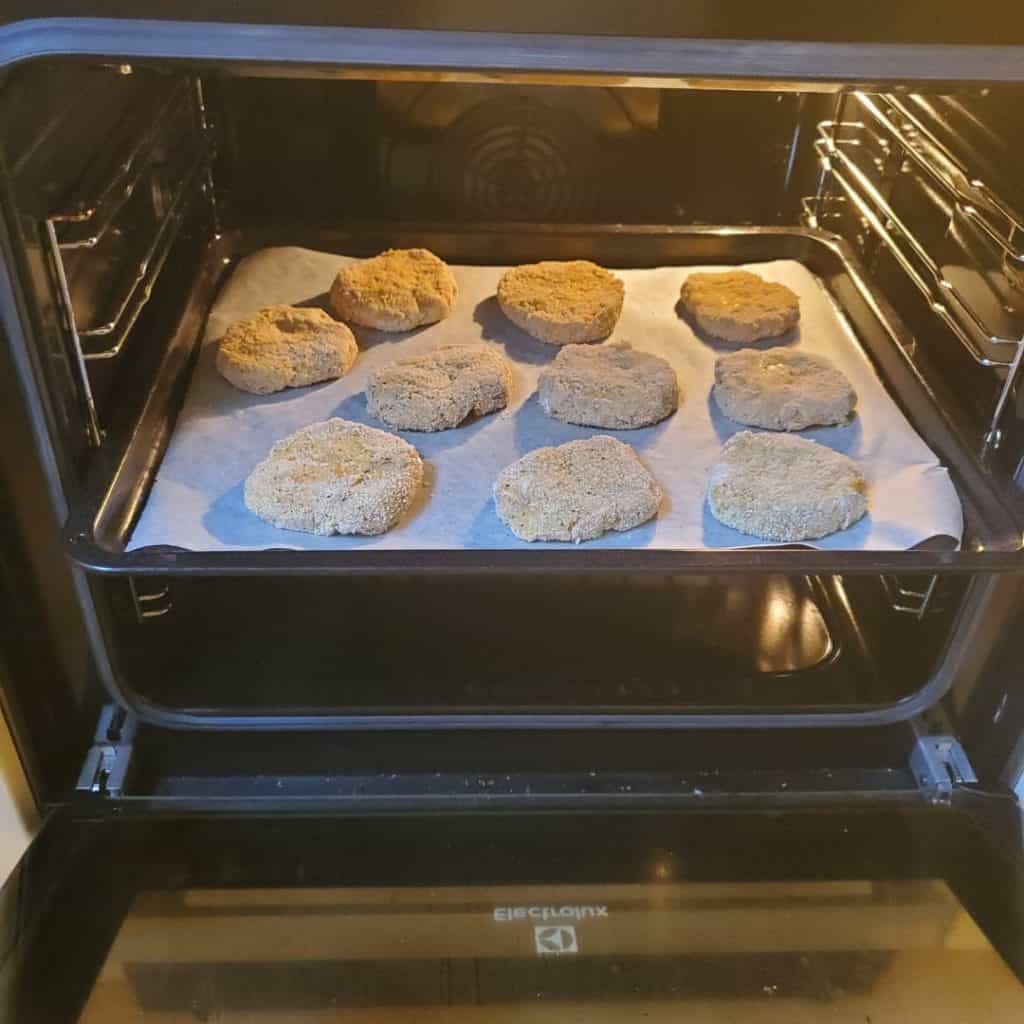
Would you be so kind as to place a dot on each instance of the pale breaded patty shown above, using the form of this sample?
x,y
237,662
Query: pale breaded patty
x,y
576,492
782,389
785,488
439,390
612,386
335,477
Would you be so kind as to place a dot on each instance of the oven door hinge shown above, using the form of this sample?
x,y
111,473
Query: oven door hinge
x,y
106,763
940,764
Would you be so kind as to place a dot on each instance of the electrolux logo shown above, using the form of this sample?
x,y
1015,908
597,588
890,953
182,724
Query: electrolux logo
x,y
541,913
558,940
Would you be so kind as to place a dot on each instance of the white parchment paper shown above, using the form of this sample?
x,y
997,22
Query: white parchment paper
x,y
221,434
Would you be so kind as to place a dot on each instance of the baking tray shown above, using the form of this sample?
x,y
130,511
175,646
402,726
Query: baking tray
x,y
196,501
102,522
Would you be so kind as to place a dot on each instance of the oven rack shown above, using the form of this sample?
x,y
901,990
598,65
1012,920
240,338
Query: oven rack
x,y
890,128
83,222
84,219
916,598
976,201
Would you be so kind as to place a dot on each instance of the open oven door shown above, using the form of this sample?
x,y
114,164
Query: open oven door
x,y
882,912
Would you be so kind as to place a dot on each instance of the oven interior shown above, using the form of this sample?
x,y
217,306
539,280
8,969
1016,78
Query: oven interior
x,y
123,197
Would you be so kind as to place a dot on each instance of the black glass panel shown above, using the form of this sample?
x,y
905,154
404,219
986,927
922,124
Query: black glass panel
x,y
836,916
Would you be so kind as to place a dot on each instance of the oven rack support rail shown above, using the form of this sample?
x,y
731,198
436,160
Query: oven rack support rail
x,y
898,131
937,767
917,600
81,224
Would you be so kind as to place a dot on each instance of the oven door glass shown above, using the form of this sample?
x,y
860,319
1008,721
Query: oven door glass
x,y
845,917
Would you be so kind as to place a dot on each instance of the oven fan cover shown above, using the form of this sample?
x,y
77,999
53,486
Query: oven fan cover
x,y
490,154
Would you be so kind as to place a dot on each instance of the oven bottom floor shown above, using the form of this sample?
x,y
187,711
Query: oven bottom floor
x,y
463,645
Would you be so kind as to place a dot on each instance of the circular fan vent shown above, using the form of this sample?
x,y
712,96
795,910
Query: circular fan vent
x,y
516,159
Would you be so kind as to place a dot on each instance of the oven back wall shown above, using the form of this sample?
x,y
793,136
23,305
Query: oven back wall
x,y
337,151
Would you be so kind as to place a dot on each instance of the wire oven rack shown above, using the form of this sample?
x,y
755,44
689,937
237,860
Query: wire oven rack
x,y
852,169
84,223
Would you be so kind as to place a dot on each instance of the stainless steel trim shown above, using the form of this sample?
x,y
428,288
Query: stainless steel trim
x,y
323,49
107,760
939,764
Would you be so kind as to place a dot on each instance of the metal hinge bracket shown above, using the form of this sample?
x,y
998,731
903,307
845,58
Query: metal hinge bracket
x,y
940,764
107,760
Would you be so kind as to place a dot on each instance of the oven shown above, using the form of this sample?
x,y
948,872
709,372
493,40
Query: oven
x,y
289,780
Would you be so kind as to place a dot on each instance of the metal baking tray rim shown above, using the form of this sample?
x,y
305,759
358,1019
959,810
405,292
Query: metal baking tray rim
x,y
115,492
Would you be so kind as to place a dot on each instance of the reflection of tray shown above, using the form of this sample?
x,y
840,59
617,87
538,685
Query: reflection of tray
x,y
98,538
